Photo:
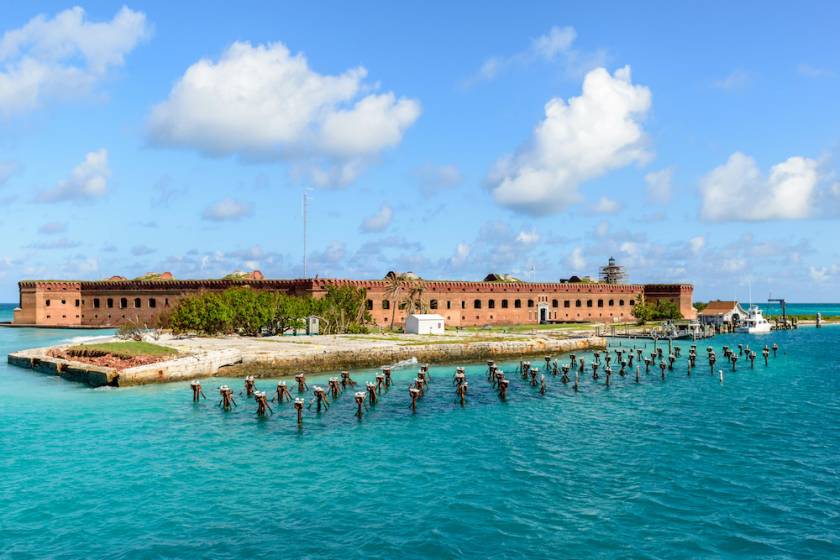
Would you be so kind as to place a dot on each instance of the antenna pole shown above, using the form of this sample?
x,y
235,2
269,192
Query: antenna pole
x,y
305,203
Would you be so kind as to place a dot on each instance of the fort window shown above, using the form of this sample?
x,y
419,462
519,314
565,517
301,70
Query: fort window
x,y
369,304
64,302
110,303
403,305
386,304
477,304
137,302
123,303
96,303
77,303
504,304
463,304
632,303
491,304
517,303
152,302
577,303
621,302
530,303
433,304
448,304
612,302
166,302
600,303
48,303
589,303
567,303
555,303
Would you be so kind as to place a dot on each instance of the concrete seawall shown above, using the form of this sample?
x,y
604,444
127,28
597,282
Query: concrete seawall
x,y
232,356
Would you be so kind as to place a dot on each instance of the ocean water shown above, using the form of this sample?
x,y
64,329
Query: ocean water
x,y
827,309
688,467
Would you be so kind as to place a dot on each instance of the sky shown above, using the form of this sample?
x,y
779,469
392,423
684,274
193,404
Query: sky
x,y
693,141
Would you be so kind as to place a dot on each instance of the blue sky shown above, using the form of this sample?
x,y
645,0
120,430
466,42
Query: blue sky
x,y
695,142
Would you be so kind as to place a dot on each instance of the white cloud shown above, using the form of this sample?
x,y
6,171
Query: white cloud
x,y
63,57
737,79
87,181
697,243
576,260
462,253
818,274
556,45
659,185
590,135
528,237
734,265
226,210
434,178
737,190
262,102
606,206
629,248
379,221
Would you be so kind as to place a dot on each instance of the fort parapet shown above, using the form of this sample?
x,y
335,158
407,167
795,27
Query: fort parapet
x,y
109,303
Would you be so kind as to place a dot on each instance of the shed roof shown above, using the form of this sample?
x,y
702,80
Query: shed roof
x,y
718,307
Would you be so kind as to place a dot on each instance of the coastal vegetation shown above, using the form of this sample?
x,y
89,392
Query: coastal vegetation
x,y
250,312
123,349
660,310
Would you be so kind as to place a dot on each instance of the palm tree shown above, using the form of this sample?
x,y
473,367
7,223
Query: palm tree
x,y
392,291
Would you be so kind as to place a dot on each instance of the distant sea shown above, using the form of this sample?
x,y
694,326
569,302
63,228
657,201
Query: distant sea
x,y
827,309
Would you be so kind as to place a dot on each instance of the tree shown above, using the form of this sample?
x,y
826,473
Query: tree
x,y
392,291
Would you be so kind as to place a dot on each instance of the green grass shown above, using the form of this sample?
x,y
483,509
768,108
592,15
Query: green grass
x,y
127,349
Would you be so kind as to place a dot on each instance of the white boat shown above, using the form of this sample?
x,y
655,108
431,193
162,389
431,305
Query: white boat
x,y
755,323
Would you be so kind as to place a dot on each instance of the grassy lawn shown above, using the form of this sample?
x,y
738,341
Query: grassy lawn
x,y
531,327
126,349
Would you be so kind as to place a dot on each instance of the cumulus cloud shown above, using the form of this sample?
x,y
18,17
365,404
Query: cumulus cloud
x,y
87,181
435,178
659,185
379,221
579,140
696,244
556,45
576,260
528,237
64,56
738,191
460,256
263,102
822,274
606,205
226,210
52,228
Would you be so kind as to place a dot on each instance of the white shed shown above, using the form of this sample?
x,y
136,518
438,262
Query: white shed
x,y
426,323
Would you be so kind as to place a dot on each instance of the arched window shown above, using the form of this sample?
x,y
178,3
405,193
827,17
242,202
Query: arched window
x,y
612,303
577,303
369,304
517,303
386,304
491,304
632,302
567,303
600,303
137,302
504,304
621,302
477,304
530,303
123,303
555,303
433,304
589,303
152,302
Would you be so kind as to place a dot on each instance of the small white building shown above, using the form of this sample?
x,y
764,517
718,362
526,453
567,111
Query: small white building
x,y
424,323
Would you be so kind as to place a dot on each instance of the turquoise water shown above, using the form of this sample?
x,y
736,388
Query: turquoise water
x,y
685,468
827,309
